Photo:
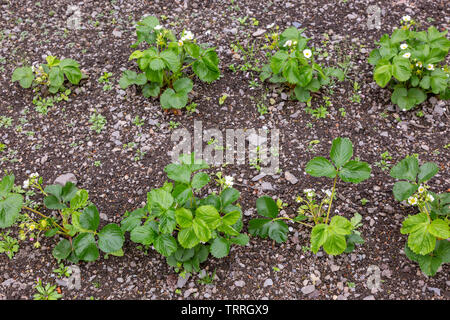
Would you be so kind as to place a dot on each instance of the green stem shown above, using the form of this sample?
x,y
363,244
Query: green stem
x,y
44,216
331,200
287,218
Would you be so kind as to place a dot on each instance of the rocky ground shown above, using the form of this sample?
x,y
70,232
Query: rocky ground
x,y
119,177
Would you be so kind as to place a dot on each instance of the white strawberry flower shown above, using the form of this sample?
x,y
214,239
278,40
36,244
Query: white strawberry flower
x,y
288,43
430,67
403,46
419,64
180,43
406,18
430,198
421,189
407,55
26,184
412,201
187,35
34,175
307,53
229,180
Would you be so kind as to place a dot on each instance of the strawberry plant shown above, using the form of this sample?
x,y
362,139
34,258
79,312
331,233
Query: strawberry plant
x,y
293,64
412,64
77,219
52,74
428,230
336,234
183,227
163,64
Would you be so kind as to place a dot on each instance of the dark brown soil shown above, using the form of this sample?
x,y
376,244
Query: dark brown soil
x,y
30,31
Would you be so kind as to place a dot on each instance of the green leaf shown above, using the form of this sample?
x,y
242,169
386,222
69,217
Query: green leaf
x,y
439,228
420,241
334,244
340,225
427,171
85,247
231,218
182,193
151,89
167,222
56,77
143,234
341,151
133,220
413,97
175,100
178,172
110,238
403,190
301,94
383,73
53,203
355,171
291,71
206,68
242,239
192,49
79,200
187,238
220,247
131,77
165,244
399,35
6,185
259,227
201,230
401,68
398,92
335,72
71,70
156,64
161,198
209,214
278,231
184,217
319,235
200,180
442,250
438,81
374,57
407,168
305,75
55,190
425,83
278,61
90,218
62,249
429,264
266,207
156,76
320,167
183,85
228,196
24,75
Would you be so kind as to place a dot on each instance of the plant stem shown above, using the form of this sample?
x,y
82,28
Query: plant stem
x,y
331,200
44,216
287,218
